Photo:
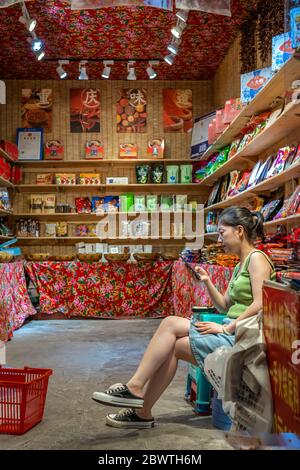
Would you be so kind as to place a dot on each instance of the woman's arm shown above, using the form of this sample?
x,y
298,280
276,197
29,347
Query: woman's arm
x,y
259,270
221,302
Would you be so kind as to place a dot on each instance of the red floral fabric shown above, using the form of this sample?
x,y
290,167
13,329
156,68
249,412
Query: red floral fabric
x,y
15,304
115,33
187,291
111,290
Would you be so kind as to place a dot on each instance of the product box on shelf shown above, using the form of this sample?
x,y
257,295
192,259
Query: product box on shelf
x,y
117,180
89,178
44,178
94,149
10,148
281,50
127,202
295,26
128,151
111,203
253,82
212,135
156,148
16,175
220,125
65,178
233,107
54,150
49,203
5,169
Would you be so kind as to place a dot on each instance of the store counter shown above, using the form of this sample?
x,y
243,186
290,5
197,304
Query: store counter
x,y
15,304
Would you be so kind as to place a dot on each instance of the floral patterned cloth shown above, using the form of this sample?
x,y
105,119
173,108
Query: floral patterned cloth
x,y
187,291
110,290
15,304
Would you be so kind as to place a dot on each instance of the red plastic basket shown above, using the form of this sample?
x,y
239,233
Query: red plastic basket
x,y
22,398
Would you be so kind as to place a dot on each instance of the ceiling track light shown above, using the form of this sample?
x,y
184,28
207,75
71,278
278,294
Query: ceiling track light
x,y
36,44
169,59
60,70
107,69
183,15
130,69
39,55
82,69
173,47
25,19
151,73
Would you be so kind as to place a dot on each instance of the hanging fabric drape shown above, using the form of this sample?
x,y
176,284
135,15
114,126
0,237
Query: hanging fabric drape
x,y
95,4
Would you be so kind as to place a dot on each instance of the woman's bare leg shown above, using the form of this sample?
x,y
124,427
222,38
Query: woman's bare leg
x,y
158,351
165,374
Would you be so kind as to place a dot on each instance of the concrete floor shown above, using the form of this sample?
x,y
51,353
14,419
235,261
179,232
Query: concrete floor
x,y
89,355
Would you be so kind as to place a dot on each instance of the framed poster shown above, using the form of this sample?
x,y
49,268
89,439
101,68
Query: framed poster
x,y
85,110
30,143
177,110
199,143
132,110
36,108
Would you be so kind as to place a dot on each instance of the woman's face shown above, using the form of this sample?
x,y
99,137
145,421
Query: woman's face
x,y
230,237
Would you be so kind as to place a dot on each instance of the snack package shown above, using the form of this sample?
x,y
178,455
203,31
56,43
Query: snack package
x,y
212,135
291,156
199,171
279,162
65,178
234,147
61,229
126,202
295,26
94,149
186,172
142,174
50,230
212,222
4,200
92,230
89,178
283,211
36,203
54,150
5,169
49,203
167,203
172,174
111,203
98,205
232,109
213,197
83,205
33,228
128,151
241,184
139,203
296,158
156,148
293,206
234,176
16,175
152,202
157,174
22,228
220,125
281,50
264,169
253,82
253,175
180,201
10,148
271,208
81,230
44,178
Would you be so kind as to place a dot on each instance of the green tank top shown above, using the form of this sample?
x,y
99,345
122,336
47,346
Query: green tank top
x,y
240,289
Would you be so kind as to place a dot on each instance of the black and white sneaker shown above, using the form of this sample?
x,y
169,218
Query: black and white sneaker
x,y
128,419
118,395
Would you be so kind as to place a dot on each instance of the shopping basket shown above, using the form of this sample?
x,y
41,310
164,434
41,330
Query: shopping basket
x,y
22,398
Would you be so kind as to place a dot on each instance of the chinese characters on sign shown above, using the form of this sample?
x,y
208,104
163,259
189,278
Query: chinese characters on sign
x,y
85,110
30,143
132,110
37,108
178,110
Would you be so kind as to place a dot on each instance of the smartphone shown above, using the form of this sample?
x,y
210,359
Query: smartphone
x,y
190,267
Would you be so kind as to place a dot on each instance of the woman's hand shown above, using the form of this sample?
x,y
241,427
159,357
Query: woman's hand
x,y
208,327
204,277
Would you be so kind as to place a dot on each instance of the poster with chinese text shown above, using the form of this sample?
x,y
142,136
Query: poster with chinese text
x,y
132,110
36,108
177,110
85,110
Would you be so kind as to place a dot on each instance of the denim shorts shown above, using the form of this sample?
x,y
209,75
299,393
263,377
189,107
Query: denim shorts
x,y
201,345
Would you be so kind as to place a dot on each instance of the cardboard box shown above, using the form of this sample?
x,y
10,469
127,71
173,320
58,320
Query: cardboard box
x,y
54,150
156,148
94,149
128,151
253,82
233,107
281,50
117,180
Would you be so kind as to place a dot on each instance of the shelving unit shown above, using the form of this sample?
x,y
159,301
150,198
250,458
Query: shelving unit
x,y
6,183
4,213
59,164
114,241
92,218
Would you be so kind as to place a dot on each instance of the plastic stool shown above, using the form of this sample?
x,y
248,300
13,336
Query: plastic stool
x,y
220,420
198,390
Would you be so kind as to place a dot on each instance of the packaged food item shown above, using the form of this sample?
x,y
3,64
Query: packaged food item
x,y
61,229
152,202
157,174
186,172
294,202
128,151
50,230
49,203
241,184
142,174
264,169
156,148
81,230
89,178
92,230
54,150
22,228
212,134
16,174
98,205
172,174
220,125
283,211
126,202
167,203
271,208
94,149
117,180
180,202
212,222
125,228
65,178
4,200
253,82
295,26
139,203
234,176
281,50
192,206
83,205
33,228
215,192
36,203
252,178
5,169
234,147
279,162
232,108
296,158
291,156
44,178
111,203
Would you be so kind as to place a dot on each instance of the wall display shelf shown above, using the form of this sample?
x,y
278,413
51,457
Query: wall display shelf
x,y
113,241
292,219
5,238
74,217
6,183
52,164
4,213
262,101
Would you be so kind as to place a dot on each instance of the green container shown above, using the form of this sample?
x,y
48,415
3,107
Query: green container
x,y
127,202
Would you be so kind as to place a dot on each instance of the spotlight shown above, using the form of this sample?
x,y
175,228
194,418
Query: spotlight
x,y
169,59
61,72
40,55
173,47
151,73
30,23
177,30
107,69
37,44
183,15
82,69
130,69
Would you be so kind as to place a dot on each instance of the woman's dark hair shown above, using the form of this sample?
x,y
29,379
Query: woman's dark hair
x,y
253,222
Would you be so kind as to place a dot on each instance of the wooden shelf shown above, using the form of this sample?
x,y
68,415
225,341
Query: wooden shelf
x,y
6,183
3,238
143,188
115,241
42,164
212,235
92,218
262,101
7,157
292,219
5,213
267,185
